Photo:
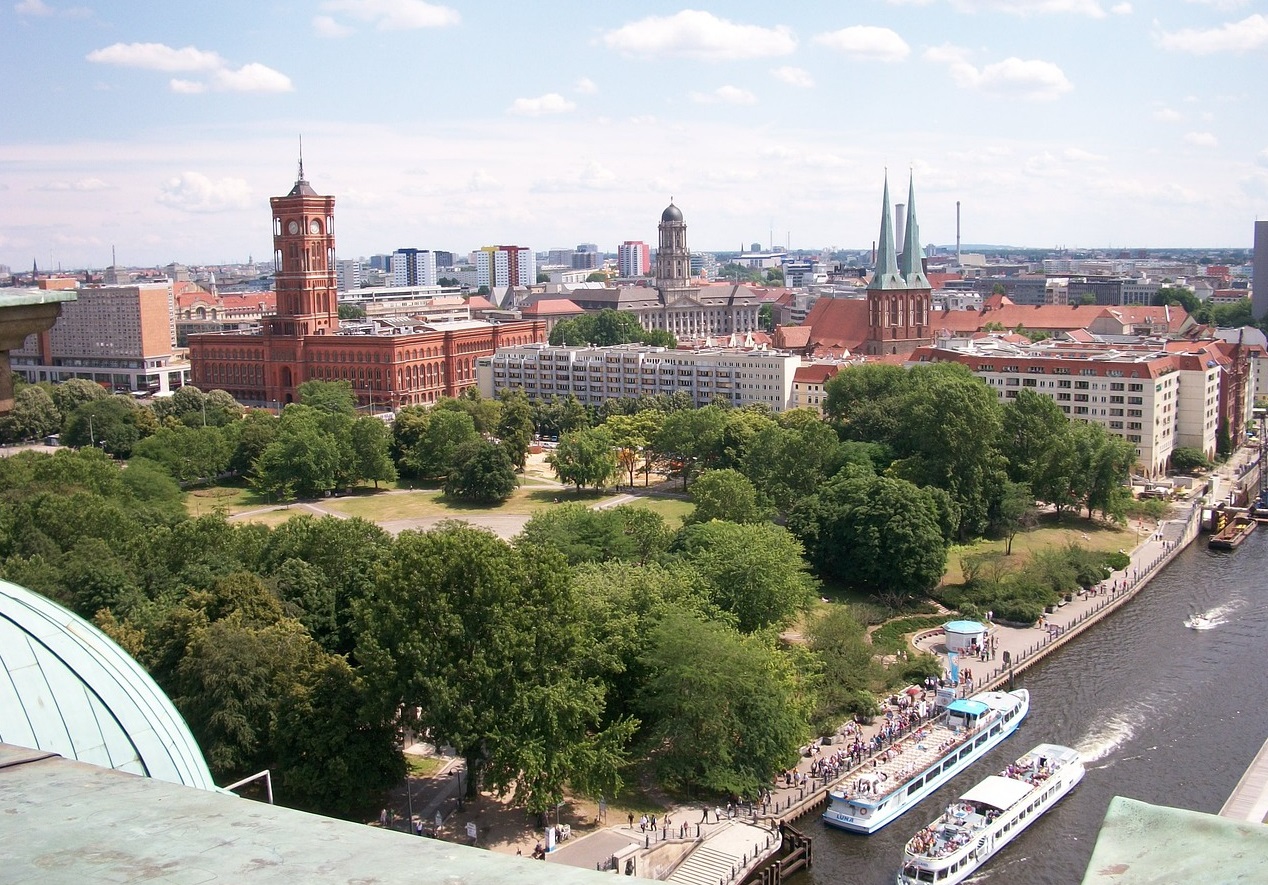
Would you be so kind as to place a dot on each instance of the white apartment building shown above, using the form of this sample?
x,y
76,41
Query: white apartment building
x,y
348,274
1155,399
594,374
633,259
433,303
412,267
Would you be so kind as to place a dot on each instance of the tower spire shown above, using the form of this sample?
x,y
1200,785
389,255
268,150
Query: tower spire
x,y
911,266
301,159
886,275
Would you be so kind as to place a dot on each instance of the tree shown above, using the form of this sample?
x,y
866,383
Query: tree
x,y
432,453
597,276
690,441
371,450
876,534
848,670
1087,298
484,642
515,425
766,318
948,437
582,534
632,435
543,277
114,423
866,401
448,282
482,473
34,415
70,395
727,495
302,459
1015,512
755,572
786,464
251,436
329,396
1031,425
351,311
485,413
187,453
723,710
1187,458
584,458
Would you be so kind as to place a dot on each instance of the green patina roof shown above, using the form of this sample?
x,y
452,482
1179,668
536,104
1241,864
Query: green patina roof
x,y
910,264
886,275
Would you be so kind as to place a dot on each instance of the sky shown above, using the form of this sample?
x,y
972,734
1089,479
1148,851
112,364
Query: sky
x,y
162,128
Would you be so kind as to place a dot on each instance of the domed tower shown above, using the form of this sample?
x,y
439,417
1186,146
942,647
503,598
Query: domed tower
x,y
673,258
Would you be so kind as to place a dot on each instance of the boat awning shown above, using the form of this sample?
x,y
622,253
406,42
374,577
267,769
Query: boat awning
x,y
998,792
968,707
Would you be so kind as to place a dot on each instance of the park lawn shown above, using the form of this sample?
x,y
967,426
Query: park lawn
x,y
672,510
422,766
229,498
1051,533
431,503
274,518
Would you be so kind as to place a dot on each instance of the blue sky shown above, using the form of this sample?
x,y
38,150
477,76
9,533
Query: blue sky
x,y
163,127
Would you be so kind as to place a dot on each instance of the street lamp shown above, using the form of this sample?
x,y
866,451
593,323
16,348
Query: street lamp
x,y
458,780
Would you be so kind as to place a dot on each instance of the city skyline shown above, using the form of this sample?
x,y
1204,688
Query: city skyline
x,y
162,129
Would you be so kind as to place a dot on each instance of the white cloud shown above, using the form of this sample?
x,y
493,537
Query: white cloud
x,y
867,42
1168,115
83,185
585,86
1262,158
1221,4
395,15
1201,139
700,35
794,76
1030,79
157,57
592,176
550,103
252,77
1247,35
195,192
725,95
325,26
1121,9
1090,8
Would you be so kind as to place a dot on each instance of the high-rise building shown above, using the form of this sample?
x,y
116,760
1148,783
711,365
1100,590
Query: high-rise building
x,y
348,274
500,266
413,267
1259,301
122,337
633,259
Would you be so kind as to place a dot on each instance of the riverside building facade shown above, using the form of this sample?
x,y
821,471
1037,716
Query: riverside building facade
x,y
1155,398
738,376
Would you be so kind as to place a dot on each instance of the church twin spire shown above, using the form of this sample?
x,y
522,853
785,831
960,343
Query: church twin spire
x,y
894,271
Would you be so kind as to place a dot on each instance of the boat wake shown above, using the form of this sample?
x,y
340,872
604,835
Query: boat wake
x,y
1110,735
1208,620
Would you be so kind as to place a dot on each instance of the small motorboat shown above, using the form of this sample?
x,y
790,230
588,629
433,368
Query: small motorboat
x,y
1200,621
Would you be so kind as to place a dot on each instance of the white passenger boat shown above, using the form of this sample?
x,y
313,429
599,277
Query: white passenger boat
x,y
989,816
877,792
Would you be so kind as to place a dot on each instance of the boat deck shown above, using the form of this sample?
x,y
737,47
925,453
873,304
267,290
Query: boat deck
x,y
909,756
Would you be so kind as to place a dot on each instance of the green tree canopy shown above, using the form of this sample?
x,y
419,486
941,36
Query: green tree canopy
x,y
585,458
482,473
726,495
723,710
584,534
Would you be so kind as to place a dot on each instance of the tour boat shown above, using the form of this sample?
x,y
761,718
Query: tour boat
x,y
895,781
989,816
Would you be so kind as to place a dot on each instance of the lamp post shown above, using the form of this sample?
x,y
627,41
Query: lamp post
x,y
457,773
92,438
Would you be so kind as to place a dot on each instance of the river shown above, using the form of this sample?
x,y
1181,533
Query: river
x,y
1161,713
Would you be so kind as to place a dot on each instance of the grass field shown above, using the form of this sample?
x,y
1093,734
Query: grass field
x,y
231,499
1051,533
671,509
428,503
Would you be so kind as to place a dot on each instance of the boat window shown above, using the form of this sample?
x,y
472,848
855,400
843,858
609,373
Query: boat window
x,y
981,740
925,876
995,731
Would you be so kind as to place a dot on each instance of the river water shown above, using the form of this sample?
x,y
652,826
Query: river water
x,y
1160,712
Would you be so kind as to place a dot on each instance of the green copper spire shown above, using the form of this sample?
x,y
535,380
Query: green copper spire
x,y
886,275
910,263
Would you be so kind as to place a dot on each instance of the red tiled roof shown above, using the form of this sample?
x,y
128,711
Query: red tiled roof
x,y
792,337
550,307
479,302
815,373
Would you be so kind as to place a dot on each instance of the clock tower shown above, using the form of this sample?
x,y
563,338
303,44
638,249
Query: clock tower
x,y
304,262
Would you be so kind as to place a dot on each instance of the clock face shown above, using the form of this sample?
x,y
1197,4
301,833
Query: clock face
x,y
293,227
314,226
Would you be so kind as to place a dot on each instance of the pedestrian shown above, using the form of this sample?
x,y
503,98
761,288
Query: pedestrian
x,y
642,824
704,818
631,820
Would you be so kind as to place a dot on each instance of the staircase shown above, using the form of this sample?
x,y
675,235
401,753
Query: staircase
x,y
730,848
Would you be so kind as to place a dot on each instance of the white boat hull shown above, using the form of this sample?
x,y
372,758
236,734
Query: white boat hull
x,y
858,815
